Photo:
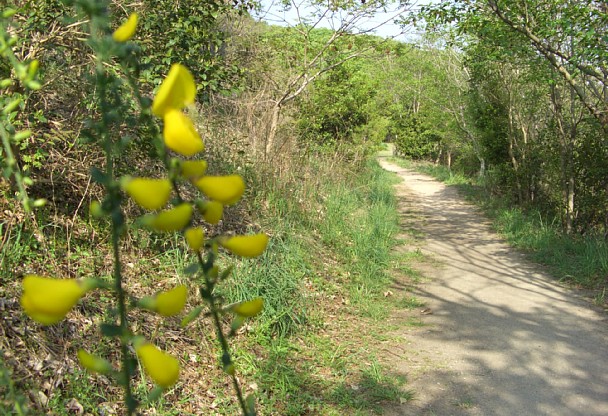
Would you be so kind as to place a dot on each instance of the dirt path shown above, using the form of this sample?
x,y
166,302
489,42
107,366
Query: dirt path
x,y
501,338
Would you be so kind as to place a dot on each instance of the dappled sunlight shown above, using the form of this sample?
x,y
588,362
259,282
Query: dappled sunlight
x,y
507,336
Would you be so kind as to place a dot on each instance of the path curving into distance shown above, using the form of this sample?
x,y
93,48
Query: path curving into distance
x,y
499,336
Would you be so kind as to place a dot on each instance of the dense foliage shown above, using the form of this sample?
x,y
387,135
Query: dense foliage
x,y
549,78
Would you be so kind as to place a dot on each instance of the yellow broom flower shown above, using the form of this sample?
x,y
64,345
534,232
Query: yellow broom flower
x,y
171,302
245,245
225,189
195,237
162,368
148,193
193,169
212,211
93,363
175,219
48,300
180,134
126,30
177,91
248,308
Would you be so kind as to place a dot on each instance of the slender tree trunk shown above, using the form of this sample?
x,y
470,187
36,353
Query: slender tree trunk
x,y
566,141
512,156
438,158
482,166
272,131
571,181
567,183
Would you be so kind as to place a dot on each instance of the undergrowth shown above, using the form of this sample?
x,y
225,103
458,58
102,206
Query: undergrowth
x,y
574,259
312,351
323,278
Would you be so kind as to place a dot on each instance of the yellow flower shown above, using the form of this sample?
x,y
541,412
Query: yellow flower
x,y
212,211
93,363
195,237
146,192
162,368
171,220
177,91
48,300
180,134
225,189
126,30
193,169
96,210
248,308
245,245
171,302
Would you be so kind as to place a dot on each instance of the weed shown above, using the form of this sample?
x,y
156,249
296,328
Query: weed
x,y
12,402
465,403
409,302
600,297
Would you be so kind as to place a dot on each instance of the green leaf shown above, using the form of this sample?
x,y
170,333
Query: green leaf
x,y
110,330
10,107
98,176
225,273
194,313
6,13
192,269
155,394
33,85
250,405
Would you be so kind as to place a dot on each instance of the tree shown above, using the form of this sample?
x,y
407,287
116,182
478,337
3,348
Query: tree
x,y
538,83
349,38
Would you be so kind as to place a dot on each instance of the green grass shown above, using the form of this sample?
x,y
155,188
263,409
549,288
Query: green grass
x,y
12,401
330,253
439,172
356,230
575,259
579,260
361,226
328,383
331,242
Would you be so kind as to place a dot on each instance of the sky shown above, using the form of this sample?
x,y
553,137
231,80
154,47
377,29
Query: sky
x,y
272,13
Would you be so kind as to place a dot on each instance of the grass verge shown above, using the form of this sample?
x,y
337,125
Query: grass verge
x,y
324,279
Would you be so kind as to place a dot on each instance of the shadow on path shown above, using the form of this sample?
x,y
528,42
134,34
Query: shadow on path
x,y
503,338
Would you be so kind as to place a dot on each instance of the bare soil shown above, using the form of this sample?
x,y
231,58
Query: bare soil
x,y
498,336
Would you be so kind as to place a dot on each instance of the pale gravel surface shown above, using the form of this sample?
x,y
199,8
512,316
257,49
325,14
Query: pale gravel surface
x,y
502,337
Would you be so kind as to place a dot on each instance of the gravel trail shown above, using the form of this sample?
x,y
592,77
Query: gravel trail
x,y
499,336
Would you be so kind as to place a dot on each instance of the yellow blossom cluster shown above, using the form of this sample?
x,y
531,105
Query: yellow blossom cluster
x,y
48,300
177,91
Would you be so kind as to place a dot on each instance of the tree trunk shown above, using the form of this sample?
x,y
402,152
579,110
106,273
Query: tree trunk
x,y
567,137
438,158
570,217
272,131
512,149
482,167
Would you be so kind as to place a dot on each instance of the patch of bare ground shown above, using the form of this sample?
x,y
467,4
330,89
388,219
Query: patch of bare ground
x,y
495,334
